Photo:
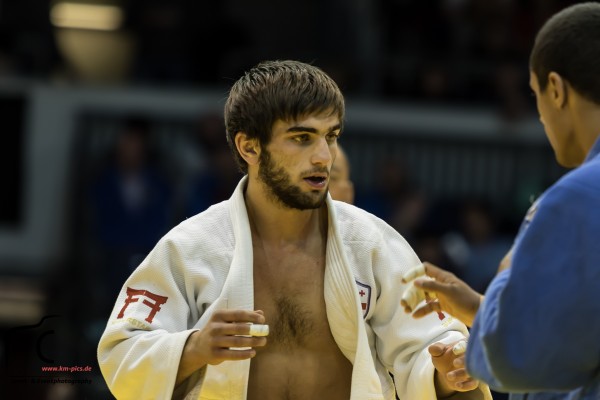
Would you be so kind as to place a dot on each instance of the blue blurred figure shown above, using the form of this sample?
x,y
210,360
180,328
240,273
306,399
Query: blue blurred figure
x,y
130,205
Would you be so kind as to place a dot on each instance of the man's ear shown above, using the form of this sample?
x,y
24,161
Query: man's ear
x,y
248,148
558,89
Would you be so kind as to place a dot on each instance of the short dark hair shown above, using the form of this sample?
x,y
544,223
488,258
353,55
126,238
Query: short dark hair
x,y
277,90
569,44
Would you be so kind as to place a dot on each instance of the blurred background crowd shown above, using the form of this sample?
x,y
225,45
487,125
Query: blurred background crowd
x,y
467,51
112,133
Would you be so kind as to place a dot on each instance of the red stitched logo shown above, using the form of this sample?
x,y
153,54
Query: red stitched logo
x,y
133,297
365,297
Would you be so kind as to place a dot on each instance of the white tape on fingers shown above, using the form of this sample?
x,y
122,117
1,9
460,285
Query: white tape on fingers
x,y
413,296
414,273
460,348
259,330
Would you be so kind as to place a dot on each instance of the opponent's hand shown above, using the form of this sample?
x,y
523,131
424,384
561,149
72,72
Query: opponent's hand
x,y
451,375
226,337
445,292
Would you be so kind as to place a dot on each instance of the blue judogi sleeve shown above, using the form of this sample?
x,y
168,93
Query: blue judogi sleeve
x,y
538,328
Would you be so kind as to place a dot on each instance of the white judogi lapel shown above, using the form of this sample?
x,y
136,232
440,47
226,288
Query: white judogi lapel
x,y
229,379
346,317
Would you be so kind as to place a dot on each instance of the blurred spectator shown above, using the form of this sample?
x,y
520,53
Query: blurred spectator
x,y
184,42
27,47
217,175
510,87
409,214
457,50
430,245
430,50
130,205
484,246
7,64
425,222
164,52
393,184
433,82
341,186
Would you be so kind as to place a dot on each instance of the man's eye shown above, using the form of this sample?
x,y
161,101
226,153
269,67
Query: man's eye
x,y
332,137
301,138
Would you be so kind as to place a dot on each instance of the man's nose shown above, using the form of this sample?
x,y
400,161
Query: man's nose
x,y
322,153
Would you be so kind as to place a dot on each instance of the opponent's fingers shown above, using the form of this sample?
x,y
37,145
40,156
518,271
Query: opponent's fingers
x,y
460,347
411,297
413,273
436,272
407,308
426,309
433,286
429,296
459,362
468,385
239,316
437,349
461,380
458,375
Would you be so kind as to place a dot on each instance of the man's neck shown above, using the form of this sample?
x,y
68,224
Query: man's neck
x,y
587,123
276,223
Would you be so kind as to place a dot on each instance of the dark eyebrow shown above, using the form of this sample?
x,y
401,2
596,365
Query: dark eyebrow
x,y
311,130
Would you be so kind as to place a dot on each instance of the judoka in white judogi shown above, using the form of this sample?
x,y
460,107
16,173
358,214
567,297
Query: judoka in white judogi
x,y
205,264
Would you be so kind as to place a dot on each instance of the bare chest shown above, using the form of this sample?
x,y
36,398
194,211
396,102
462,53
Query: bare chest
x,y
289,289
301,359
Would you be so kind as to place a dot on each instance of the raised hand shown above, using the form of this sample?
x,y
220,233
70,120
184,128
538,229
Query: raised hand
x,y
445,292
226,337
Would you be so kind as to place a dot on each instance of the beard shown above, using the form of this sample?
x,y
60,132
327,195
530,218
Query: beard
x,y
282,191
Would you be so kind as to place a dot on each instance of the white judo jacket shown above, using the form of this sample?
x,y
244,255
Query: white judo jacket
x,y
205,263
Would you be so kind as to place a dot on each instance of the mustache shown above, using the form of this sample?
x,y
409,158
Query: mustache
x,y
314,171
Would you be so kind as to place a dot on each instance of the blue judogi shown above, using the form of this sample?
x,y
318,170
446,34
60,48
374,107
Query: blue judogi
x,y
537,333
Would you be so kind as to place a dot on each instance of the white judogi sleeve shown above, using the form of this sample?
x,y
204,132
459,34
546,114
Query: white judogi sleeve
x,y
139,351
162,303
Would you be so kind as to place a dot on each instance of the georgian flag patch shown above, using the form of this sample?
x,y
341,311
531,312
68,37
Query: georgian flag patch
x,y
364,294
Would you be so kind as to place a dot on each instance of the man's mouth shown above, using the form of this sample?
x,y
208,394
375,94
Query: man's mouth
x,y
316,181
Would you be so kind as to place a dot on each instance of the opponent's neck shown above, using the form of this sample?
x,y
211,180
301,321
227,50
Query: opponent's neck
x,y
586,122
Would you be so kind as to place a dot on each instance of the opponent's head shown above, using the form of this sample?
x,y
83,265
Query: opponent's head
x,y
569,44
277,90
565,59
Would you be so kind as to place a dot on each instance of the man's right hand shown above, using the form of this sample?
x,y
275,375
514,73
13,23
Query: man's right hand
x,y
213,344
452,295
